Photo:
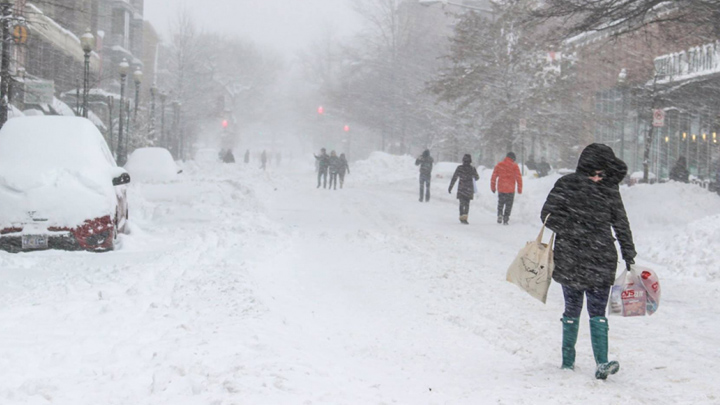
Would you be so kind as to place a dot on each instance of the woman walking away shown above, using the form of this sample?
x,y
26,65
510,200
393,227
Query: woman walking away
x,y
466,173
334,165
344,167
585,208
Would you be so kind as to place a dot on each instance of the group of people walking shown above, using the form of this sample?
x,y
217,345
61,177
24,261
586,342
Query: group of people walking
x,y
584,209
336,166
505,178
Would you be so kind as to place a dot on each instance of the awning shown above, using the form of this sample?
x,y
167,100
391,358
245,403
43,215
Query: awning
x,y
59,37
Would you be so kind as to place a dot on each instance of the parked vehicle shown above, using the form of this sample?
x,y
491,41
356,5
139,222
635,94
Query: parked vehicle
x,y
152,165
59,186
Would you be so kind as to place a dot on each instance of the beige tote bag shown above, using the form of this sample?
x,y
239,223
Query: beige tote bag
x,y
532,268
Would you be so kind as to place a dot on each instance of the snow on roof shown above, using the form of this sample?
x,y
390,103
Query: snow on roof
x,y
62,108
14,112
96,120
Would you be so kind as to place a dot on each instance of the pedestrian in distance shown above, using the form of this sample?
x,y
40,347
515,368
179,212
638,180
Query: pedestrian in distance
x,y
584,209
247,156
465,173
531,165
543,168
425,161
263,159
334,169
504,178
680,172
344,167
228,156
323,161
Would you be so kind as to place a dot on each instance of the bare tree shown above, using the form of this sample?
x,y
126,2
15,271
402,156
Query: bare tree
x,y
621,17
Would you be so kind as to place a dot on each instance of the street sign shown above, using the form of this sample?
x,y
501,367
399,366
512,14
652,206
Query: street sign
x,y
658,118
39,91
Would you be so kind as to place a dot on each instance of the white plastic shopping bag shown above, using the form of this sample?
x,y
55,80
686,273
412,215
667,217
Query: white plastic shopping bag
x,y
532,268
636,292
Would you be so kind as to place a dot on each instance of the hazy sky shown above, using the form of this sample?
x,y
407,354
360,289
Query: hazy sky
x,y
286,24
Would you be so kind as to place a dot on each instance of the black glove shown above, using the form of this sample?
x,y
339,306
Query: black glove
x,y
450,191
629,263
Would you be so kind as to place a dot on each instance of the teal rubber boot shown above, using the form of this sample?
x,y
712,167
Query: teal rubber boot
x,y
599,338
570,334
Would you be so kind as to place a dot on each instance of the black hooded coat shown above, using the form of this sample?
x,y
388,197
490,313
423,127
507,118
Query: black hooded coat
x,y
465,173
584,214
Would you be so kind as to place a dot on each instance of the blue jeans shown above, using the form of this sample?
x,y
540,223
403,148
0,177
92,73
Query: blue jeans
x,y
597,299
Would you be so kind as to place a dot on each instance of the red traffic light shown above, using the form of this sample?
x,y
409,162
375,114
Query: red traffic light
x,y
321,110
347,128
224,123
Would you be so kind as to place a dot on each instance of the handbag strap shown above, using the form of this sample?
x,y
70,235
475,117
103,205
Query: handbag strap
x,y
542,230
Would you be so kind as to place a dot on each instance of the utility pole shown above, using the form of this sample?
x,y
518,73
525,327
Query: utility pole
x,y
5,64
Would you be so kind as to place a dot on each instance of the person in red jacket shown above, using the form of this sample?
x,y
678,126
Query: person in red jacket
x,y
505,175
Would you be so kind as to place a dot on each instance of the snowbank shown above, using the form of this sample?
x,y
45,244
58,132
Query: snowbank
x,y
674,224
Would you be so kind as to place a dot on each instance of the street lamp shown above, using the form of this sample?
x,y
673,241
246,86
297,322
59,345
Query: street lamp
x,y
6,6
163,141
621,79
123,69
87,41
137,77
153,92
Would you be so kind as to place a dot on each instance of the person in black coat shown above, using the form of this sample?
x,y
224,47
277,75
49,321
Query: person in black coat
x,y
466,173
680,172
426,165
344,167
334,168
323,162
583,209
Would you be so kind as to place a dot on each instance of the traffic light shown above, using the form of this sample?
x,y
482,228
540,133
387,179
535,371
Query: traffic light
x,y
321,110
347,128
224,124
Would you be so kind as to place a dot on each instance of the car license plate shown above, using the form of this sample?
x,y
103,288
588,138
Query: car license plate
x,y
34,242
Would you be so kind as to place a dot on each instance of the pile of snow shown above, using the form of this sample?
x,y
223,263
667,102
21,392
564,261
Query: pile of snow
x,y
676,225
381,167
151,164
58,167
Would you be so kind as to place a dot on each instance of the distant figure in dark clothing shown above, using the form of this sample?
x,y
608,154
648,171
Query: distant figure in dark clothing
x,y
247,156
426,165
344,167
504,178
263,160
466,173
334,168
228,156
543,168
323,161
680,172
531,165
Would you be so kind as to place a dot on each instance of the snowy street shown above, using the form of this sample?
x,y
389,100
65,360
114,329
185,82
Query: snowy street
x,y
237,286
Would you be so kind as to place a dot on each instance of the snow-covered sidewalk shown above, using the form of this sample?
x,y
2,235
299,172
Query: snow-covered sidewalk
x,y
244,287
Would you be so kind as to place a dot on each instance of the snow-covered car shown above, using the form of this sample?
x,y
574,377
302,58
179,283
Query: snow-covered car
x,y
152,164
59,186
